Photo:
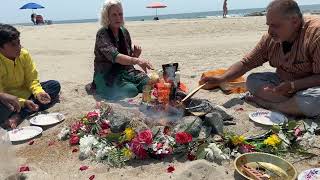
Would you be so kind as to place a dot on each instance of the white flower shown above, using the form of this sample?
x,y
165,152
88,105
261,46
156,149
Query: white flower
x,y
102,152
213,152
64,133
86,144
88,141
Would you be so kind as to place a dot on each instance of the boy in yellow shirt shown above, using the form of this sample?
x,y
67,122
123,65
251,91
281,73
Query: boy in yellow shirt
x,y
19,77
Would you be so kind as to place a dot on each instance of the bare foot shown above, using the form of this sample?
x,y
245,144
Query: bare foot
x,y
259,101
13,121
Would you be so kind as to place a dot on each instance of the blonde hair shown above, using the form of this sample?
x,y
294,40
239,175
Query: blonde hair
x,y
104,19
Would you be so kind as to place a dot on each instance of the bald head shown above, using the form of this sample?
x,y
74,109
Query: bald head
x,y
287,8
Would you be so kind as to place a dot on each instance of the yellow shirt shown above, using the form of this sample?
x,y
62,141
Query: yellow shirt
x,y
19,77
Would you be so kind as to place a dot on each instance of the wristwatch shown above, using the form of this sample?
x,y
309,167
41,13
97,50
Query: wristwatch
x,y
292,90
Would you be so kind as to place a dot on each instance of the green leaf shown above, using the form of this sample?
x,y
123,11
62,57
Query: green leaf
x,y
113,137
292,125
201,155
276,128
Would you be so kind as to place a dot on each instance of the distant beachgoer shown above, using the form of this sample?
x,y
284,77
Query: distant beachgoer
x,y
292,46
225,9
19,77
33,18
114,74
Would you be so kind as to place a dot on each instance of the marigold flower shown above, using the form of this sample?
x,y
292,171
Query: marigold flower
x,y
237,140
127,153
129,134
273,140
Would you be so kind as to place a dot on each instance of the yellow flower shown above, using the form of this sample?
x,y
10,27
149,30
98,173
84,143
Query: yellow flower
x,y
273,140
236,140
127,153
129,134
85,120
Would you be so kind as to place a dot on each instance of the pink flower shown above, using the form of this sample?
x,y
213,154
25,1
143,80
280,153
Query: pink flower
x,y
75,127
297,132
105,124
92,115
24,168
246,148
74,139
83,168
104,132
145,137
170,169
183,137
138,149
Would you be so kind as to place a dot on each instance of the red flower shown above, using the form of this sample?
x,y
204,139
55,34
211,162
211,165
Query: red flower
x,y
137,149
159,145
145,137
105,124
183,137
170,169
31,142
74,139
191,157
92,177
246,148
75,127
92,115
24,168
83,168
240,109
75,150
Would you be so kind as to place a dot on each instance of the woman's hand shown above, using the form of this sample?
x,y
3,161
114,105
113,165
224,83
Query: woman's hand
x,y
136,51
144,64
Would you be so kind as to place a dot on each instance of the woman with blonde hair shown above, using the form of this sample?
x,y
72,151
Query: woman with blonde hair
x,y
115,56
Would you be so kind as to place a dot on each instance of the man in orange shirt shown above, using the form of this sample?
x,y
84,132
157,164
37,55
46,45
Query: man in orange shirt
x,y
292,46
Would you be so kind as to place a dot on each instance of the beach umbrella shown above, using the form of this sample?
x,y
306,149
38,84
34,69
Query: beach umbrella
x,y
32,6
156,5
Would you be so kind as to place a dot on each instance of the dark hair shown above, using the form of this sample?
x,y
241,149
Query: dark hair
x,y
8,33
286,7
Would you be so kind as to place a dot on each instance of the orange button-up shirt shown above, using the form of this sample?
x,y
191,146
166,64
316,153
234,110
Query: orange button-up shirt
x,y
302,61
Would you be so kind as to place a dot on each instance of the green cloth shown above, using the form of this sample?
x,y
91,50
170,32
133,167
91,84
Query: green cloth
x,y
125,85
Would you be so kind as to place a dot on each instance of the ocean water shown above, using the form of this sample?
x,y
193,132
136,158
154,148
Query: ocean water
x,y
232,13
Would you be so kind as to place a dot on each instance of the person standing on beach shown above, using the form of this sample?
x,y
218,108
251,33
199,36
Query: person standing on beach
x,y
292,46
225,9
115,56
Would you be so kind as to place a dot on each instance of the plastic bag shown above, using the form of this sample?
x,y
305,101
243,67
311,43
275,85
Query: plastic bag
x,y
8,163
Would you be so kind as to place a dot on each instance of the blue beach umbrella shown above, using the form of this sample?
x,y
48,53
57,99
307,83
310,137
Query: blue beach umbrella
x,y
32,6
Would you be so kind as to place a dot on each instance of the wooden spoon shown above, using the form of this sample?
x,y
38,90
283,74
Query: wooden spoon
x,y
193,92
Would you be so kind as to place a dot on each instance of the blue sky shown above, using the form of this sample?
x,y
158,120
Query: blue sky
x,y
89,9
